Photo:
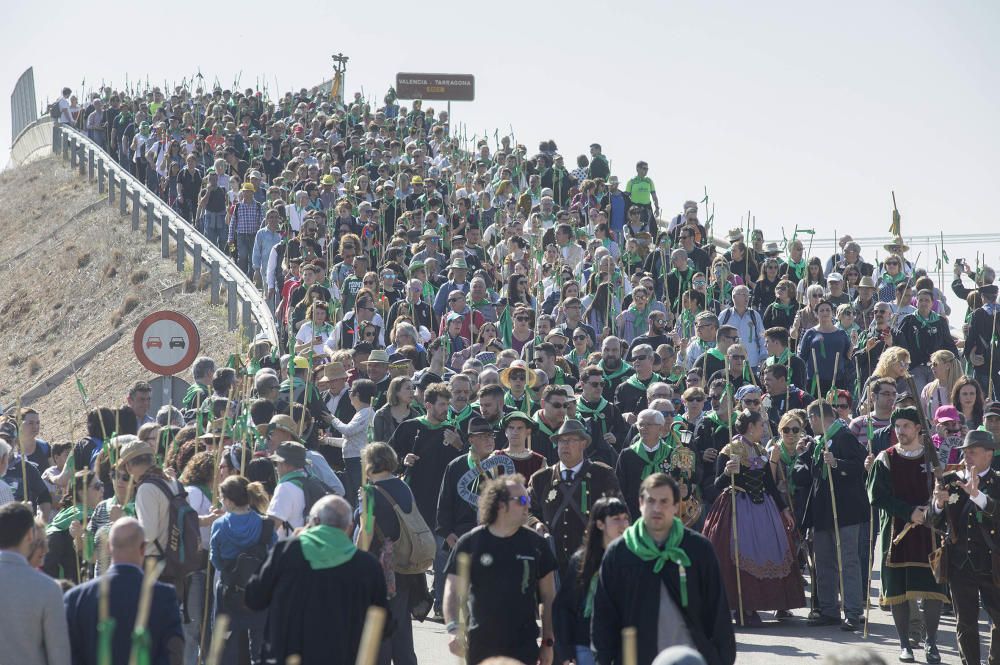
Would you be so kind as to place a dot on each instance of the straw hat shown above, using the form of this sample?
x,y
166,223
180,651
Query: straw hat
x,y
532,376
330,373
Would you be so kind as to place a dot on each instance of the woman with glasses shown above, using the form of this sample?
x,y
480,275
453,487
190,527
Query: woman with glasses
x,y
813,276
109,510
720,285
582,348
891,277
768,566
67,541
783,308
806,317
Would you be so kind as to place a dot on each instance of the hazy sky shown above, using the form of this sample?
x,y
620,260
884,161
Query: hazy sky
x,y
805,115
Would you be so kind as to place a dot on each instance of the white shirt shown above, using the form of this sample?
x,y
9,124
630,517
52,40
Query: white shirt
x,y
197,500
64,115
575,470
287,505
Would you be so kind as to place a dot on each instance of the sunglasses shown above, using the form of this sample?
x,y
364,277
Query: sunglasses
x,y
557,405
791,430
640,358
522,318
842,406
751,402
694,399
579,338
518,376
455,299
595,384
521,500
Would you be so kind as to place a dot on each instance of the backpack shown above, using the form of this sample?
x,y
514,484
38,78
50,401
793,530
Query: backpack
x,y
414,552
235,573
182,553
54,111
313,489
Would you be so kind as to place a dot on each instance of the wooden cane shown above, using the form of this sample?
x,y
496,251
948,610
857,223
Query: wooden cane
x,y
871,530
371,636
152,573
24,456
630,650
816,374
464,562
220,629
836,363
836,532
736,539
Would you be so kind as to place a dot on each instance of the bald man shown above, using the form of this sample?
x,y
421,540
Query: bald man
x,y
128,550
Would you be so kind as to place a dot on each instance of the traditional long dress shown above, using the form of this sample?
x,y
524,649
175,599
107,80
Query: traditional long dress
x,y
769,571
896,485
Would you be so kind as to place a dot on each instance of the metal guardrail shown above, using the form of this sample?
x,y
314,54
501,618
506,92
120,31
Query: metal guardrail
x,y
247,307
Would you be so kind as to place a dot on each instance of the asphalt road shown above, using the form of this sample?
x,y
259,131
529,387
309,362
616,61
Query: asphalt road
x,y
776,643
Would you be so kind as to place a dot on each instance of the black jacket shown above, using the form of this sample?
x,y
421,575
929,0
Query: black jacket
x,y
848,483
628,594
923,340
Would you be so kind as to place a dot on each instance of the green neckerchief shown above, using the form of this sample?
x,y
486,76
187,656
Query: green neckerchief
x,y
787,309
423,420
788,460
894,280
640,322
641,544
639,384
523,404
542,426
625,367
573,357
460,416
652,460
686,323
798,267
326,547
714,417
782,359
291,385
717,354
821,445
292,476
476,304
207,491
595,412
560,377
588,605
929,321
65,517
473,464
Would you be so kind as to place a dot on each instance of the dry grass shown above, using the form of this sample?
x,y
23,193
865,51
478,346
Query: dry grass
x,y
53,310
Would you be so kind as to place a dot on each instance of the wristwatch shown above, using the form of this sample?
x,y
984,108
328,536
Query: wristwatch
x,y
452,627
548,642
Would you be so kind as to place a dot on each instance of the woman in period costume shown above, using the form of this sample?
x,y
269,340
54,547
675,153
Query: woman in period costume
x,y
900,487
768,566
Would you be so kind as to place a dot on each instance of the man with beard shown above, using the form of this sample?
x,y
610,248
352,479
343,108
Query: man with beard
x,y
548,420
655,336
613,368
489,405
876,339
562,495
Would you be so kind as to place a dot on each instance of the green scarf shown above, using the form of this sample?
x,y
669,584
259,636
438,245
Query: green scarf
x,y
639,542
326,547
821,445
427,423
639,384
460,416
788,461
797,267
640,320
652,461
625,367
787,309
292,476
894,280
929,321
782,359
65,517
525,405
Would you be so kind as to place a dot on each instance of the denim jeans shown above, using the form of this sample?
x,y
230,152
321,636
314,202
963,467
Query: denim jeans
x,y
584,656
214,228
397,649
196,611
244,251
825,545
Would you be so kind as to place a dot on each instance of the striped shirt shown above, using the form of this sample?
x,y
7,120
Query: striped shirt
x,y
247,219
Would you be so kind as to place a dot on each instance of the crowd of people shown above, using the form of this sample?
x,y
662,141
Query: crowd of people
x,y
512,396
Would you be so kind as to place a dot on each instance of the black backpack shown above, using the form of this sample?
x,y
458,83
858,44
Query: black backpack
x,y
313,489
54,111
235,573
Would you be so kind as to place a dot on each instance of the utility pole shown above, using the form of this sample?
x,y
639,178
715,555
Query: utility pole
x,y
339,70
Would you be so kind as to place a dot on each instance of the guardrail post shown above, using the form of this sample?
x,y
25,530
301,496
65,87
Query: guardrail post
x,y
56,136
232,301
136,208
216,283
164,237
180,249
111,186
248,328
64,142
82,159
100,175
90,164
196,263
72,152
123,203
150,220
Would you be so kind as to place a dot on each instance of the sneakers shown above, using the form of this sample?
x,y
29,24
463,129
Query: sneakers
x,y
906,656
931,654
822,620
783,614
849,625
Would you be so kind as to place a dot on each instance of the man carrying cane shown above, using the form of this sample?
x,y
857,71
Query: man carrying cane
x,y
836,510
967,505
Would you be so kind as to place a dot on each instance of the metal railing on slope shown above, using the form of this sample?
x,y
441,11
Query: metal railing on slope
x,y
247,307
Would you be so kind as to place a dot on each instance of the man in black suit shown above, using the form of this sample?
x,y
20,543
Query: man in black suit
x,y
166,638
967,506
